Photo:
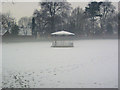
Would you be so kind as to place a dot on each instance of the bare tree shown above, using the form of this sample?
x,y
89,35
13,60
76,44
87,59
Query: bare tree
x,y
53,14
24,23
7,21
77,21
106,10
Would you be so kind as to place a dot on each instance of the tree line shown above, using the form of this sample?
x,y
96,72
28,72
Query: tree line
x,y
98,18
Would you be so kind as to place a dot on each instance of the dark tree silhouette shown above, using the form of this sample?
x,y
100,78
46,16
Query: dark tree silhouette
x,y
56,14
33,26
15,30
107,10
93,11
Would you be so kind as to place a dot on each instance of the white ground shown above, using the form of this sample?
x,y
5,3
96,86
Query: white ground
x,y
90,64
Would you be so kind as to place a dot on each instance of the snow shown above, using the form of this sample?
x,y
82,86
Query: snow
x,y
62,33
90,64
2,31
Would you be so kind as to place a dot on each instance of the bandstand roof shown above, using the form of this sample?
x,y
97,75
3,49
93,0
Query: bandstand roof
x,y
62,33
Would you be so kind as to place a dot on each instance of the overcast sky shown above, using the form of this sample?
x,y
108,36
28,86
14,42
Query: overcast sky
x,y
21,9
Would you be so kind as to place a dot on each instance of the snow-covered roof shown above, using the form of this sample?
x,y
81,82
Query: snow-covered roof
x,y
62,33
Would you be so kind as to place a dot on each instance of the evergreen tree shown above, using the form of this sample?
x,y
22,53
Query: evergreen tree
x,y
14,30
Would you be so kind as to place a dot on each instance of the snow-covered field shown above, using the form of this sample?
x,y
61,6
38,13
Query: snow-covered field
x,y
90,64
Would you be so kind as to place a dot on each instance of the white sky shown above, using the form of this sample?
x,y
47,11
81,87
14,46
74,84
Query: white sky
x,y
21,9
